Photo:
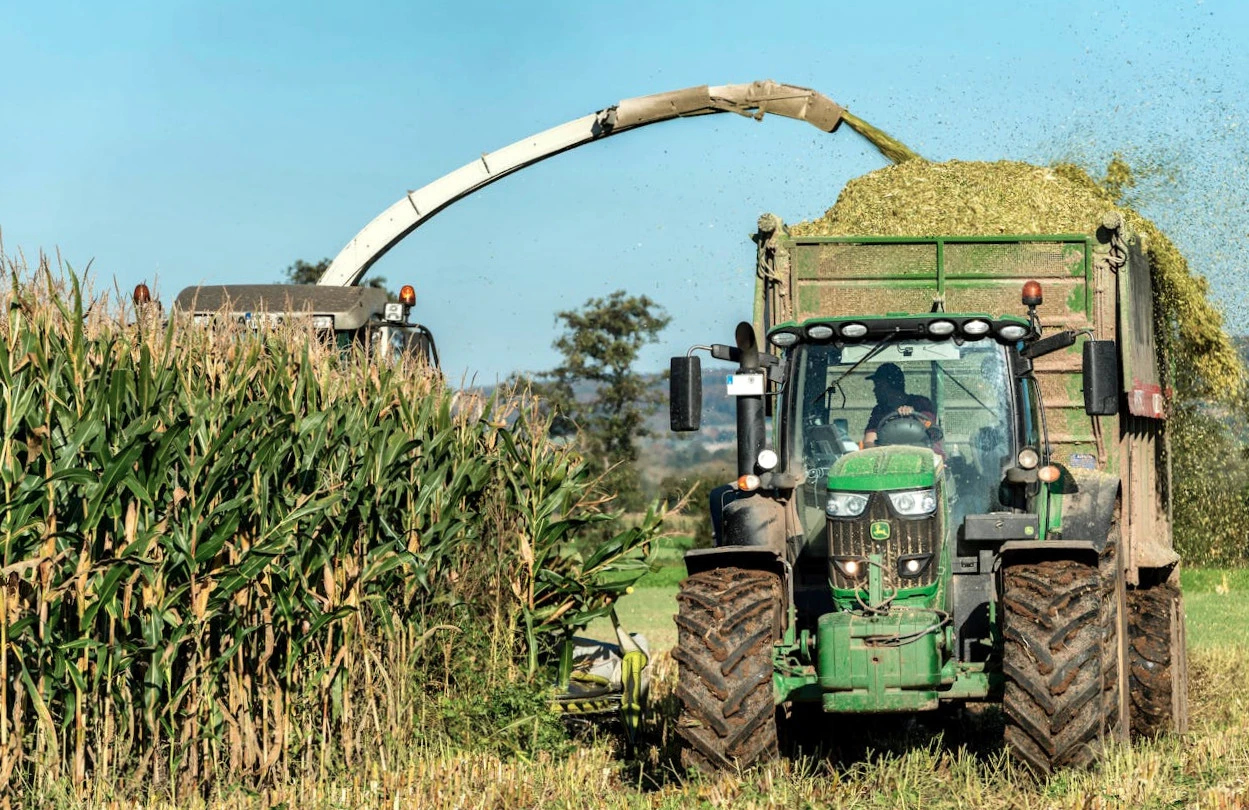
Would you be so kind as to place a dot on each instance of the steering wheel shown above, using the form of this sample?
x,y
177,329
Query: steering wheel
x,y
913,428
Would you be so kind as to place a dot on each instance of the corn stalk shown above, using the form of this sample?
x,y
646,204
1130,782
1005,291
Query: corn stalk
x,y
221,546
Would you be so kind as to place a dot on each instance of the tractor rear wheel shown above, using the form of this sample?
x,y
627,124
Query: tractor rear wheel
x,y
1061,662
727,621
1159,677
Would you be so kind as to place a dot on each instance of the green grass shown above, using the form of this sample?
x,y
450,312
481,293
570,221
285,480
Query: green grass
x,y
1214,619
1216,604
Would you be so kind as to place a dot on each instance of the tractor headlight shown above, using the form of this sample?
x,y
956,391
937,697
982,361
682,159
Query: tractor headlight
x,y
914,503
854,330
783,340
767,459
845,504
975,328
912,566
851,567
1028,458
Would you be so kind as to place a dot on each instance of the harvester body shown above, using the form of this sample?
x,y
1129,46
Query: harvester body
x,y
350,317
962,493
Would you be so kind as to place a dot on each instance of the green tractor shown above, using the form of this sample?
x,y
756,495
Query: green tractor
x,y
948,506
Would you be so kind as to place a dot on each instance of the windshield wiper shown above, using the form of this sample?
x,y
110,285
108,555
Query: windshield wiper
x,y
965,390
875,351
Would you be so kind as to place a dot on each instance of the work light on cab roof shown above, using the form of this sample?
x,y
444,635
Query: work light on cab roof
x,y
1007,328
398,313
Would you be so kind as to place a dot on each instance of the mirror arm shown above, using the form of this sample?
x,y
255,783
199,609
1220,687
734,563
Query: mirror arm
x,y
1050,344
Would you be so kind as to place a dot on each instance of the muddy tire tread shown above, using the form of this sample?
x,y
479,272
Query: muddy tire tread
x,y
1154,667
1054,629
726,622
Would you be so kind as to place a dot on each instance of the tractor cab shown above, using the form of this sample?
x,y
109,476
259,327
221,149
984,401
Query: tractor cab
x,y
870,399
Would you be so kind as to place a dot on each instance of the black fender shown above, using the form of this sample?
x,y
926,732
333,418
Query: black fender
x,y
750,558
753,520
1088,506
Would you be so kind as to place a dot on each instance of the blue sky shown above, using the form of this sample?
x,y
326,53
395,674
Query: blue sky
x,y
218,142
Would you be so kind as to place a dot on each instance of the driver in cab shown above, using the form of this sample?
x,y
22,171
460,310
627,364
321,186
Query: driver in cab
x,y
891,398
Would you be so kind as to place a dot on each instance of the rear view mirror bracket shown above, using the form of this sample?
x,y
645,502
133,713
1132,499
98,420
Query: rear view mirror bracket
x,y
1048,345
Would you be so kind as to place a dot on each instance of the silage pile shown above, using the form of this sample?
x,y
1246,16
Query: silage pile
x,y
920,198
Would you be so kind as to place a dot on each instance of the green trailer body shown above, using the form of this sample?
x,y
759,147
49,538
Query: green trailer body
x,y
1100,287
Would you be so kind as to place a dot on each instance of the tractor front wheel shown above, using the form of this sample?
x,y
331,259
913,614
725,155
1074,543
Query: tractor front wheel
x,y
727,621
1060,634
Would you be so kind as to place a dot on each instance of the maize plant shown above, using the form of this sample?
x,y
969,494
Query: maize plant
x,y
229,553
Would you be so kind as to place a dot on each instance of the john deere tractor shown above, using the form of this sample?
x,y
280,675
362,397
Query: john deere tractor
x,y
963,502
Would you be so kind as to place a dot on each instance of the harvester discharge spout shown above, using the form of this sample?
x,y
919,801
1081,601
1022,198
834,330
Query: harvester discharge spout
x,y
753,100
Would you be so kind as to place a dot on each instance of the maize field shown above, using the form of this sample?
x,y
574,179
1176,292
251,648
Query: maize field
x,y
234,555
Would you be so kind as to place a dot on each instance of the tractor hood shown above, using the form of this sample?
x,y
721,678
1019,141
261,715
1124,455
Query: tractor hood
x,y
885,468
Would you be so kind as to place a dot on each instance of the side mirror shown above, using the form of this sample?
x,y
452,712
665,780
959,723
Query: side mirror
x,y
685,394
1101,378
1049,345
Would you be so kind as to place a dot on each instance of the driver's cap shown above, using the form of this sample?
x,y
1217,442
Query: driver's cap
x,y
890,373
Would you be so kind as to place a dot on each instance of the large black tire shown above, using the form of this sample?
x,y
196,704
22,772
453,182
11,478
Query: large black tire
x,y
727,621
1159,661
1061,662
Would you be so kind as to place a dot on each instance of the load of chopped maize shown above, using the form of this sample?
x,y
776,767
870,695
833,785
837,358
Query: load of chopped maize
x,y
920,198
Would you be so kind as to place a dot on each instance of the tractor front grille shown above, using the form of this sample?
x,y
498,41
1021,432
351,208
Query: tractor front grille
x,y
852,538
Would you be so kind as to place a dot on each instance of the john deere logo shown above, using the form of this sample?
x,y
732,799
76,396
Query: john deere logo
x,y
880,530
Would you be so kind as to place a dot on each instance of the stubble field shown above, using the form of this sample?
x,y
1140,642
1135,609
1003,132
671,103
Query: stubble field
x,y
934,763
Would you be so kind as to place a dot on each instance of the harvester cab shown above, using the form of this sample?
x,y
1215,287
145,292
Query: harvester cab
x,y
910,531
346,316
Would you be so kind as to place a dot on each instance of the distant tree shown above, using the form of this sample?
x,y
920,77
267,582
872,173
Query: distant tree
x,y
302,272
695,484
596,392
